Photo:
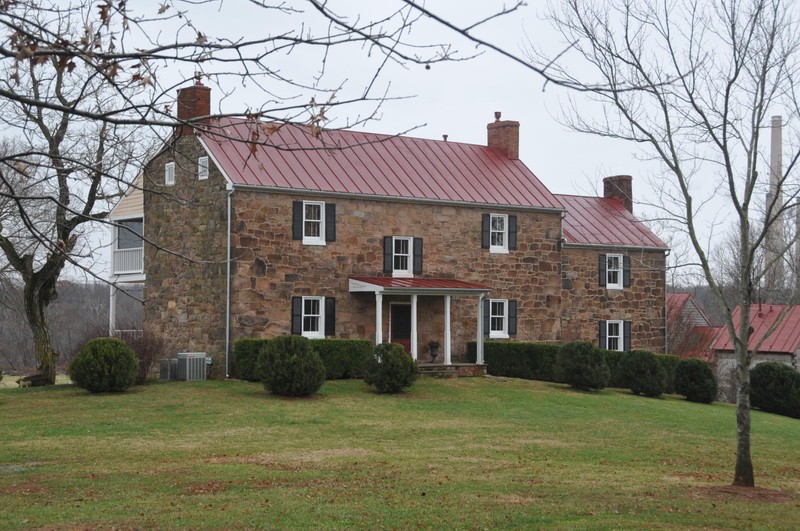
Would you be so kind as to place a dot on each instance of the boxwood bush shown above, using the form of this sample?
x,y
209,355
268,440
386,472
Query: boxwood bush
x,y
669,363
289,367
615,359
343,358
516,359
646,375
103,365
390,369
583,366
775,388
245,358
695,380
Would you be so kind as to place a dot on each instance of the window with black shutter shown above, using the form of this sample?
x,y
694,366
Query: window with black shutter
x,y
313,222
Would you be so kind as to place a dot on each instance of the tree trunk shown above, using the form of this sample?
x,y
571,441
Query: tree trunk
x,y
37,298
743,474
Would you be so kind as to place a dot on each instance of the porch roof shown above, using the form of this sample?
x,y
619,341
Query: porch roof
x,y
418,286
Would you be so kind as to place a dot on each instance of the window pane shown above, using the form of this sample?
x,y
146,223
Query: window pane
x,y
400,263
312,229
129,234
613,343
497,239
613,329
498,223
313,212
401,246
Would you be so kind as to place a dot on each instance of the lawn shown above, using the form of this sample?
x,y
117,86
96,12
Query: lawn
x,y
466,453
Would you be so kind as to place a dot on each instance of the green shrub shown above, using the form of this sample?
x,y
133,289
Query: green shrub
x,y
695,380
343,358
775,388
245,358
615,359
103,365
646,375
290,367
517,359
582,366
390,369
669,363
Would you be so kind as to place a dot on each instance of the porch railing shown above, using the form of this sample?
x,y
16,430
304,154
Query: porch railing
x,y
128,261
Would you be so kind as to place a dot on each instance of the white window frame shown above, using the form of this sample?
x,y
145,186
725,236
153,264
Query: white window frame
x,y
202,168
319,239
620,337
609,270
320,332
498,248
409,270
169,174
498,333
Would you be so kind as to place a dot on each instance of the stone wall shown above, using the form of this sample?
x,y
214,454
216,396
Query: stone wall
x,y
185,294
271,267
585,303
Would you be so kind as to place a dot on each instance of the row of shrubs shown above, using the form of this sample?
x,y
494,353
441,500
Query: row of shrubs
x,y
585,366
775,388
342,358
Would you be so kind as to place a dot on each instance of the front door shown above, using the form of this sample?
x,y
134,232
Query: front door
x,y
400,320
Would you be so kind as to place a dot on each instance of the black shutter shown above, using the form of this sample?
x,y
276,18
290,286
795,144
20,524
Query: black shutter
x,y
388,255
297,315
330,222
486,317
602,267
626,271
417,256
512,318
297,220
626,339
330,316
602,338
485,231
512,232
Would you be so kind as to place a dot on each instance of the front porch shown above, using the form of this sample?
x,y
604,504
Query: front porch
x,y
406,304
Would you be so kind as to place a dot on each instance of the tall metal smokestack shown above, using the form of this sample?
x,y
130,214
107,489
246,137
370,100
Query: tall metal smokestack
x,y
774,277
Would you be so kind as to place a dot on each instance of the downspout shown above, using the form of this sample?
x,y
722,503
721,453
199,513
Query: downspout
x,y
229,188
666,322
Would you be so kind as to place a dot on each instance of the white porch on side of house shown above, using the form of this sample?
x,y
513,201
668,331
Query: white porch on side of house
x,y
415,287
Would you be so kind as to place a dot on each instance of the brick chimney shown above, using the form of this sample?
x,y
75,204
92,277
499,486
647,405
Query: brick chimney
x,y
193,102
619,187
504,135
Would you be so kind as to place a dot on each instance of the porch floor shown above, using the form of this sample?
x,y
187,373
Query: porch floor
x,y
455,370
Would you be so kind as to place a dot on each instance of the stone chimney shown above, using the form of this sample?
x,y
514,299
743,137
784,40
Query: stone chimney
x,y
193,102
504,135
619,187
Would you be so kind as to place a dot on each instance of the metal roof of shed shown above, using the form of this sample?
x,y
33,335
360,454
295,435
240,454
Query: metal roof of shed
x,y
604,221
349,162
785,338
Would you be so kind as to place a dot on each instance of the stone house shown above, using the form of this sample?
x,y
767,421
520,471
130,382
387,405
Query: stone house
x,y
265,229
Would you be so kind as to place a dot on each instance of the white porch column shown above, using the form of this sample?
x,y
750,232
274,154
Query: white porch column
x,y
479,339
378,318
414,327
112,309
447,353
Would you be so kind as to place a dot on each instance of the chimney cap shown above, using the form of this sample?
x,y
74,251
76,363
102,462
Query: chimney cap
x,y
497,115
444,137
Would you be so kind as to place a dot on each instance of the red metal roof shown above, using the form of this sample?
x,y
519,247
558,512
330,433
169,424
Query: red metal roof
x,y
352,162
421,283
785,338
601,221
677,304
698,343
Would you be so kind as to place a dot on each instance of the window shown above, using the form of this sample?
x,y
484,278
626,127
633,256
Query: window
x,y
129,234
169,174
202,168
499,232
313,222
402,256
615,335
615,271
499,318
314,317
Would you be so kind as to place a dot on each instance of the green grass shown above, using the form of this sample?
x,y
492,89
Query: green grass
x,y
468,453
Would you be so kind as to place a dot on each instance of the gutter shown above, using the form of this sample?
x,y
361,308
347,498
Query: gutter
x,y
229,188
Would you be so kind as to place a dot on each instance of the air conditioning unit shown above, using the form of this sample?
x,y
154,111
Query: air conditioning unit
x,y
192,366
168,369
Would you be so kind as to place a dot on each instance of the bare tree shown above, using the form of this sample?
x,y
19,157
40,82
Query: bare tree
x,y
694,84
82,79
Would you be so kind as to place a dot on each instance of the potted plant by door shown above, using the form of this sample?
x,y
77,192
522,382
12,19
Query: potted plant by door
x,y
433,345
